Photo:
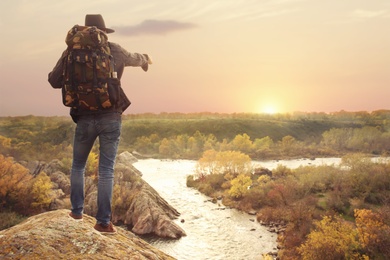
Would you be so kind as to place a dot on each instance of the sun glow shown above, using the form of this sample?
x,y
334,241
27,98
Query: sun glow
x,y
268,109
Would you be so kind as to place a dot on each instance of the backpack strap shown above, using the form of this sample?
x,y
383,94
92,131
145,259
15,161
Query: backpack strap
x,y
112,63
70,68
96,83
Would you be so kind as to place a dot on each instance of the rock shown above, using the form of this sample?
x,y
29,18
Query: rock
x,y
126,158
262,171
62,181
90,203
272,230
147,212
252,212
126,173
220,208
35,167
53,167
54,235
150,213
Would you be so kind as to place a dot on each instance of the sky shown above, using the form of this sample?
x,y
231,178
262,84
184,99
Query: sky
x,y
223,56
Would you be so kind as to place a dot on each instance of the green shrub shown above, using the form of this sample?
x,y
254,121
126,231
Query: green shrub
x,y
9,219
256,197
215,181
190,181
66,165
205,188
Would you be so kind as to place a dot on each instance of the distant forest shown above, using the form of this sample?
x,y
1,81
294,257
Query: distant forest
x,y
187,136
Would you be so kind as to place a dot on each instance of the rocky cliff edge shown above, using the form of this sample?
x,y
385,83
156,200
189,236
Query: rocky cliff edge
x,y
54,235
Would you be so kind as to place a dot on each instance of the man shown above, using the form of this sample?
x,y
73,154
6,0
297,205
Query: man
x,y
104,124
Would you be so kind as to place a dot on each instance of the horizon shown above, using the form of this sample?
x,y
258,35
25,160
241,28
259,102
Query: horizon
x,y
261,57
294,113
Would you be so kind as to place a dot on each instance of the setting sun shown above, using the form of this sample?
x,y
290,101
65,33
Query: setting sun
x,y
269,110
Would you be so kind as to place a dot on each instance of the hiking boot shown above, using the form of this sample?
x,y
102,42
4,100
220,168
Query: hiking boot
x,y
105,228
76,217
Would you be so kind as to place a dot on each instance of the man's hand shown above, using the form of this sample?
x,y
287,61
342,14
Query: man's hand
x,y
146,65
149,59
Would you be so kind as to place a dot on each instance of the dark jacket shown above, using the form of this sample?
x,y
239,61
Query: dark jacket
x,y
122,59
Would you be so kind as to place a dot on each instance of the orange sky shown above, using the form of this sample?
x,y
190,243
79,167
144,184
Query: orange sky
x,y
221,56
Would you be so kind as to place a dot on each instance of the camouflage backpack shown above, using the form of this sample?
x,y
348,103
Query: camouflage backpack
x,y
89,75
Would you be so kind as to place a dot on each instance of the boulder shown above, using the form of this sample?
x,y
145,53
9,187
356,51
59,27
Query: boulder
x,y
53,166
147,211
35,167
126,158
61,180
54,235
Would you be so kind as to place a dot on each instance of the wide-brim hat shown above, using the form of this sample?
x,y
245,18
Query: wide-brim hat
x,y
98,21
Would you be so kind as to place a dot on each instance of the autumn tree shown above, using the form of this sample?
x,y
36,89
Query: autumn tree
x,y
91,168
337,138
331,239
374,234
366,139
366,180
40,189
242,143
287,144
281,171
199,139
143,144
207,164
14,180
263,180
5,145
263,146
164,148
282,192
193,147
211,142
229,163
240,186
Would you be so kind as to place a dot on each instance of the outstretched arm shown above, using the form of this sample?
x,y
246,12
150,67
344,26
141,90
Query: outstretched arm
x,y
123,58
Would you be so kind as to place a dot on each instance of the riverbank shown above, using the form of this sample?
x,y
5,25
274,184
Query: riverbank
x,y
213,230
292,200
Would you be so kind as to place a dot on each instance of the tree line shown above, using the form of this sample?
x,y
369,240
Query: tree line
x,y
187,136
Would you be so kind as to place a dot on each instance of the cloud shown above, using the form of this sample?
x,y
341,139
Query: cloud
x,y
361,15
159,27
368,14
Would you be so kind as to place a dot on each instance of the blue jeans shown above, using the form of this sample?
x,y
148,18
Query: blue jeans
x,y
108,128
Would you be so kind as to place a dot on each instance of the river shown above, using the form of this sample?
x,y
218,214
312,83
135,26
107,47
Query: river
x,y
213,232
